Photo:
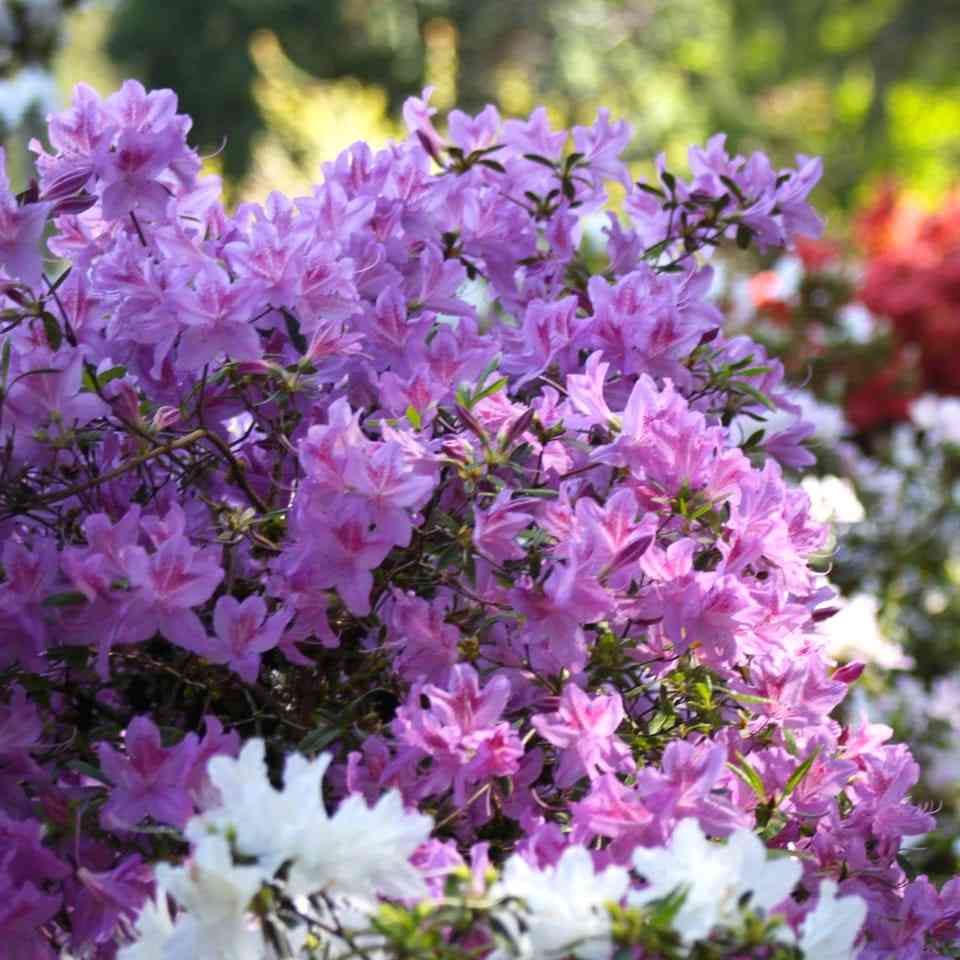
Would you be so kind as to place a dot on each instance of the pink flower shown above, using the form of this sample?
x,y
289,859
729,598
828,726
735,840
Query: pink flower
x,y
242,633
495,529
341,553
170,583
584,728
148,779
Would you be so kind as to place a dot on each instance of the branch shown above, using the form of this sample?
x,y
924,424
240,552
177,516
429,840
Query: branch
x,y
177,444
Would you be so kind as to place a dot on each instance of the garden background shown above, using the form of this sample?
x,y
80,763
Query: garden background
x,y
866,319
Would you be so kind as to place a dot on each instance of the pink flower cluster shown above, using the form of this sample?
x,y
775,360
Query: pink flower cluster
x,y
437,468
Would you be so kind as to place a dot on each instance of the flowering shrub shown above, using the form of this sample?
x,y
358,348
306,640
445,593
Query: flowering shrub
x,y
880,330
913,278
399,478
887,482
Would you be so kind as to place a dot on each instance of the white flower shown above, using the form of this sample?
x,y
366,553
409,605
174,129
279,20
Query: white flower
x,y
828,932
938,416
266,823
904,450
828,420
832,500
565,906
153,927
830,425
353,857
216,895
855,634
789,272
30,87
715,878
857,322
362,851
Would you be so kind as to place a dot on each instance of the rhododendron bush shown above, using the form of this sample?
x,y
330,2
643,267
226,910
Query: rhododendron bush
x,y
857,328
390,573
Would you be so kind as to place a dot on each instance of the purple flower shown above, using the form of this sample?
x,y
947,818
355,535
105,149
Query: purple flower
x,y
21,228
242,633
584,728
148,779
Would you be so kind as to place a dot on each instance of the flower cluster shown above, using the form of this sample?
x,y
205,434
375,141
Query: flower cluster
x,y
889,460
270,873
882,324
412,471
911,277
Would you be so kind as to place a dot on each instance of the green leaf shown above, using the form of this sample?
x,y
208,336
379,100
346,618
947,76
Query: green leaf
x,y
747,389
317,739
298,340
51,330
650,188
543,161
747,697
744,235
89,770
494,387
5,365
745,771
89,381
733,187
788,738
493,365
463,396
659,721
802,770
413,415
55,286
114,373
70,598
656,249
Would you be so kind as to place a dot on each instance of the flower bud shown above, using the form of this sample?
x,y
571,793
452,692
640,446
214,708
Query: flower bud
x,y
849,672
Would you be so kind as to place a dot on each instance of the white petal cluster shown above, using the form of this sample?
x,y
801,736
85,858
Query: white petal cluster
x,y
360,851
718,879
215,895
829,931
352,857
261,840
264,822
363,851
153,928
564,906
833,499
856,633
939,416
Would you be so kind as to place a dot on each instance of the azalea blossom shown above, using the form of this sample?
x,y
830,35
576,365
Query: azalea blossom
x,y
716,880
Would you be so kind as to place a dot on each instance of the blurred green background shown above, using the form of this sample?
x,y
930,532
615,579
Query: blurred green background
x,y
280,85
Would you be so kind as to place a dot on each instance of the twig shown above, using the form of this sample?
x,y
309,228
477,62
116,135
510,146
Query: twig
x,y
236,470
177,444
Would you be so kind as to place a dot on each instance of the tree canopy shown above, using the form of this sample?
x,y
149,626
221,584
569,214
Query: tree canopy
x,y
871,84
